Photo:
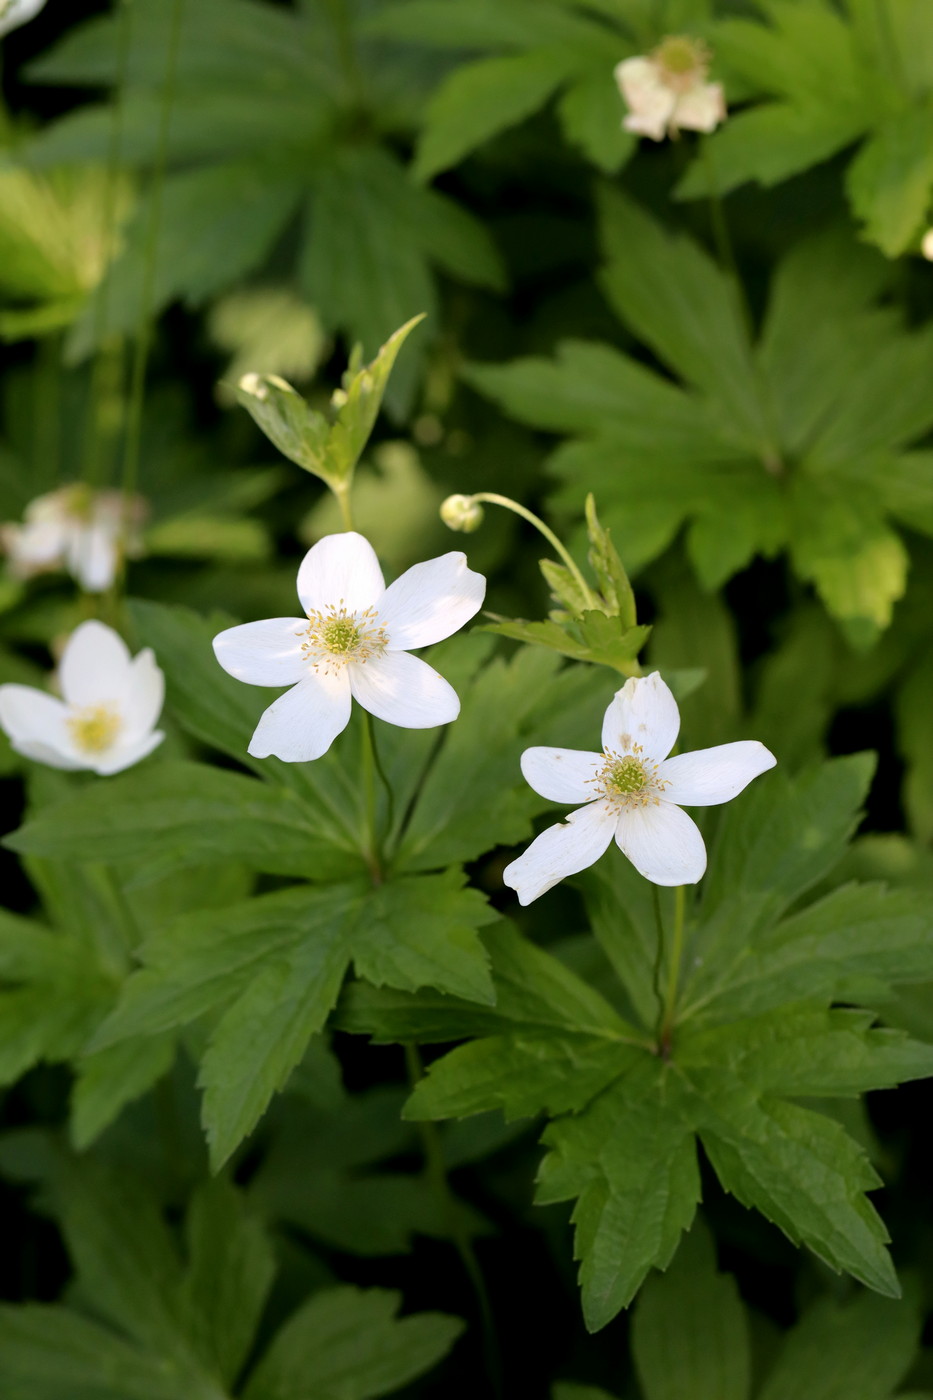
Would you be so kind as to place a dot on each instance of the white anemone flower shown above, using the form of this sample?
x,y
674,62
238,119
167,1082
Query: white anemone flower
x,y
77,529
667,90
632,792
106,718
352,642
13,13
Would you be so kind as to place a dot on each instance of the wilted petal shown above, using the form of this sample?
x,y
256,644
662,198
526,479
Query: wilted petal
x,y
663,843
643,713
650,102
95,665
125,755
701,108
340,571
431,601
264,653
145,696
560,851
708,776
303,723
30,718
563,775
403,690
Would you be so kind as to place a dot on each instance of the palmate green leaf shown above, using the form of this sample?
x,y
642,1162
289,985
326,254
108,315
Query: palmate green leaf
x,y
349,1344
890,180
180,814
590,113
689,1332
273,966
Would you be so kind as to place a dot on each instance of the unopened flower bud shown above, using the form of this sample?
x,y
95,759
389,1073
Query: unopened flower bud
x,y
462,513
926,246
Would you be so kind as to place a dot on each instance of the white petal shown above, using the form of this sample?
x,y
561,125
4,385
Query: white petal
x,y
403,690
304,722
92,556
124,755
560,851
700,109
708,776
34,720
663,843
36,545
650,102
19,12
144,698
264,653
644,713
95,665
431,601
340,571
563,775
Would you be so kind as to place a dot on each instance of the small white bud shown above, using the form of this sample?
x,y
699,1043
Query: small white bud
x,y
926,246
462,513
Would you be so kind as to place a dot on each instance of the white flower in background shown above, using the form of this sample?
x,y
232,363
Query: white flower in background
x,y
352,641
633,792
77,529
110,704
668,90
16,12
926,245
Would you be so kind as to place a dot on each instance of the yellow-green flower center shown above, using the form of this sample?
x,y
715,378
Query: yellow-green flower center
x,y
629,779
626,776
682,61
94,728
335,637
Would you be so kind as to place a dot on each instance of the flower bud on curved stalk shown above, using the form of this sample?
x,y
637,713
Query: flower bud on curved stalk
x,y
462,513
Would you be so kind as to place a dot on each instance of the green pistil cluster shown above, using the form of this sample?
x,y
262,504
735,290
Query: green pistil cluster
x,y
94,728
341,635
336,637
625,776
683,61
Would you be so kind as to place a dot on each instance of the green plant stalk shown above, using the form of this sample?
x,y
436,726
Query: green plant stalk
x,y
666,1022
144,330
371,839
496,500
341,491
436,1171
102,377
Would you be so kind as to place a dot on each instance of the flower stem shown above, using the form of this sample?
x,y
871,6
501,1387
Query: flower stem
x,y
436,1172
496,500
342,492
369,789
666,1023
145,323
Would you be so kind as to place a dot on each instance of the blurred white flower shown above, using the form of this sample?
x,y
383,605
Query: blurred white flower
x,y
77,529
667,90
631,790
926,245
16,12
352,642
106,718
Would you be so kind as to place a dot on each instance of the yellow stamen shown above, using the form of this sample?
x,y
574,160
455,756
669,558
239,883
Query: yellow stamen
x,y
94,728
629,779
335,637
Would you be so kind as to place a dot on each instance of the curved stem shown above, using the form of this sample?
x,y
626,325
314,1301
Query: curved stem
x,y
496,500
436,1172
666,1026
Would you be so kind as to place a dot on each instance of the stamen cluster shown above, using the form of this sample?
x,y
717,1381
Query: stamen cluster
x,y
94,728
335,637
628,779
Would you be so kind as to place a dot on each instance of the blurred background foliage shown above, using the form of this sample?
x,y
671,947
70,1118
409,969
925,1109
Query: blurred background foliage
x,y
728,339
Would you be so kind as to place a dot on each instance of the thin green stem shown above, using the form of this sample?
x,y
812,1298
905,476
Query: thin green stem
x,y
369,797
102,375
342,493
436,1171
496,500
666,1026
144,329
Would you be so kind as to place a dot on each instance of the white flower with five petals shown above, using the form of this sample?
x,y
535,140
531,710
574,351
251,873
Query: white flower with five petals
x,y
633,792
667,90
110,704
353,642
